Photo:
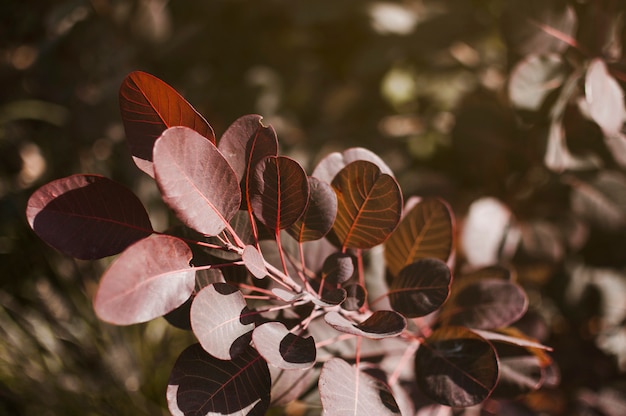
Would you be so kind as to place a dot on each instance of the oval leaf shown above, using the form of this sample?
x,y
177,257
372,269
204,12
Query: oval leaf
x,y
331,164
345,390
246,142
369,205
279,192
605,98
427,230
87,216
149,106
456,367
420,288
283,349
381,324
195,180
149,279
488,304
254,262
221,321
338,267
319,215
204,385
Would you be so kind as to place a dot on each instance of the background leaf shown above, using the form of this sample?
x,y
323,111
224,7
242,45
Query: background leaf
x,y
282,348
319,215
204,385
456,367
369,205
149,279
381,324
420,288
602,200
347,391
279,192
195,180
87,216
149,106
254,262
333,163
427,230
220,320
533,79
605,98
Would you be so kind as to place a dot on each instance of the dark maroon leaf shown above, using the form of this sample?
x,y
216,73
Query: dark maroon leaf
x,y
179,317
487,304
338,267
221,321
283,349
355,299
279,192
204,385
332,297
420,288
331,164
149,279
319,215
149,106
381,324
346,391
254,261
369,205
605,98
456,367
195,180
246,142
427,230
87,216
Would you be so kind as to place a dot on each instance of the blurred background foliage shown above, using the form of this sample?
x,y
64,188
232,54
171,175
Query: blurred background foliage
x,y
420,82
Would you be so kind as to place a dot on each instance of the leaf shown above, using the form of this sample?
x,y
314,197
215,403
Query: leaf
x,y
381,324
221,321
426,231
283,349
333,163
602,200
533,79
149,279
87,216
537,26
369,205
319,215
289,385
338,268
456,367
521,371
254,261
279,192
345,390
245,143
420,288
204,385
355,299
559,158
195,180
514,337
487,304
149,106
605,98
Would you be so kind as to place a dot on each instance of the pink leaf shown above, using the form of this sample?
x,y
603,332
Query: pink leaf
x,y
254,262
605,98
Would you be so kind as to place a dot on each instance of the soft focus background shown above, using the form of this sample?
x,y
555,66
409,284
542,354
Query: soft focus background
x,y
423,83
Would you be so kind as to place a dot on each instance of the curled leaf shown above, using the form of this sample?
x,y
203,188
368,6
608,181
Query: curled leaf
x,y
381,324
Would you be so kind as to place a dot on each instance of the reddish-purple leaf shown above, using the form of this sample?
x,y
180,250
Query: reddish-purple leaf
x,y
338,267
195,180
381,324
332,297
355,297
487,304
204,385
331,164
456,367
221,321
346,391
149,279
283,349
420,288
605,98
320,213
426,231
279,192
245,143
87,216
254,261
369,205
149,106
